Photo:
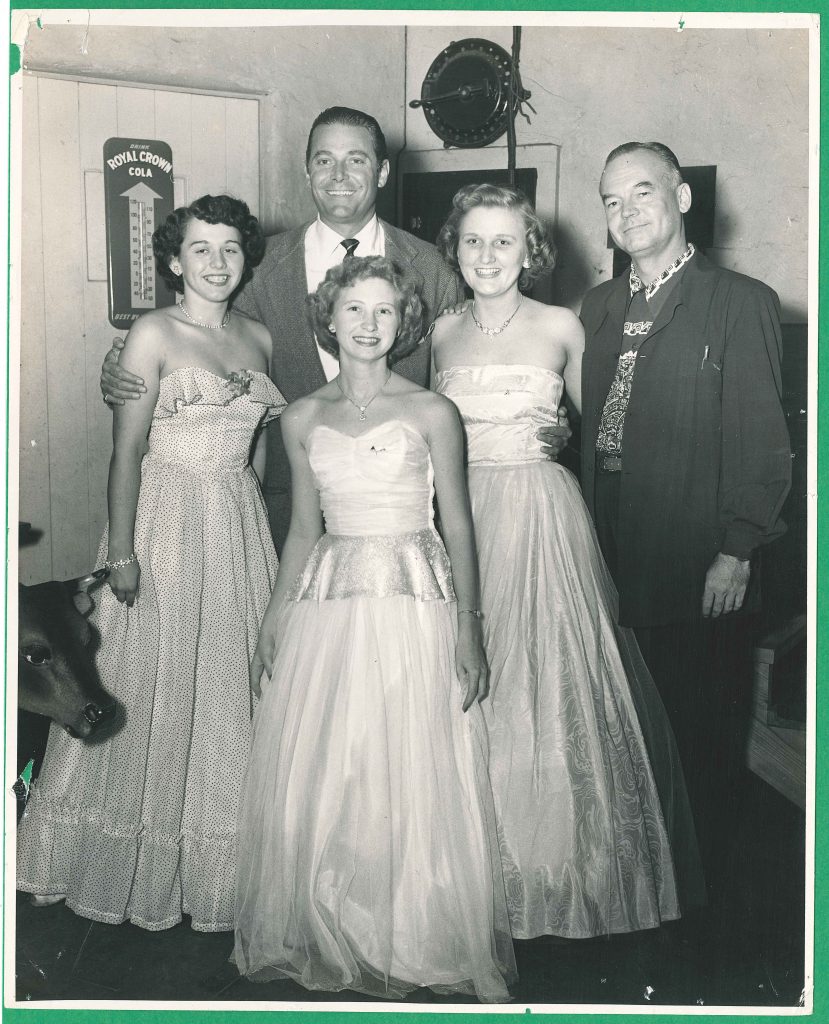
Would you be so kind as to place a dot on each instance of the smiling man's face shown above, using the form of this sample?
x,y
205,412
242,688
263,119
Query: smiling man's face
x,y
644,207
344,175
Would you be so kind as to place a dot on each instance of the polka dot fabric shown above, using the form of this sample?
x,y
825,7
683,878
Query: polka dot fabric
x,y
142,827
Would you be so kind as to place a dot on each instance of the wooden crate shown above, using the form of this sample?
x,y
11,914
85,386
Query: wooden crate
x,y
776,749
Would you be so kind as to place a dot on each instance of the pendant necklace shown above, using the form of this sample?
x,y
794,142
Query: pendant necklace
x,y
491,331
357,405
200,323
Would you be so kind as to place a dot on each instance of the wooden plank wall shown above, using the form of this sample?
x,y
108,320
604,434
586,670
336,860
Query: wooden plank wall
x,y
36,561
65,428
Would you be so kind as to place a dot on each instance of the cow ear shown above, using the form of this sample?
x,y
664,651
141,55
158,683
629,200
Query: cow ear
x,y
83,602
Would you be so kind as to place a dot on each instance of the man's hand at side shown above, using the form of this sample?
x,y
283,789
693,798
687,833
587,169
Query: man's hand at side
x,y
725,586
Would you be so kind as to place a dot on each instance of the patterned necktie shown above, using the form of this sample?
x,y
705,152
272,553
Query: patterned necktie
x,y
349,244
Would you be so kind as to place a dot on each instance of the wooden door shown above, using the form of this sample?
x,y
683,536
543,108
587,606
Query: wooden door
x,y
65,428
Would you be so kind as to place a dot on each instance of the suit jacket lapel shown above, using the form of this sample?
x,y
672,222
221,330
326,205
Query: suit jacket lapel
x,y
608,330
617,301
682,294
300,368
604,340
398,248
665,315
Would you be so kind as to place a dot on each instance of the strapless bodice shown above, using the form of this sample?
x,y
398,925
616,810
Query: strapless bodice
x,y
503,407
205,422
380,482
376,494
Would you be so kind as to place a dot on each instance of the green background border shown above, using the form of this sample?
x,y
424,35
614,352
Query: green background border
x,y
35,1014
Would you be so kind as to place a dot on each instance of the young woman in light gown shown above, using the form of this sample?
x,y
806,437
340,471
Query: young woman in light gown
x,y
584,844
142,827
368,855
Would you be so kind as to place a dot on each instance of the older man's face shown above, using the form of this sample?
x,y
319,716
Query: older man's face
x,y
344,176
643,207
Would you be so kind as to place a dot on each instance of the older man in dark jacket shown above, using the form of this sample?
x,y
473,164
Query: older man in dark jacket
x,y
685,463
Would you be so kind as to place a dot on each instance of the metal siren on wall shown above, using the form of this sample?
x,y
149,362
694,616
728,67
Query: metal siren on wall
x,y
467,91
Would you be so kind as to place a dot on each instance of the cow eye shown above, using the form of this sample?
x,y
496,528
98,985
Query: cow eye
x,y
36,654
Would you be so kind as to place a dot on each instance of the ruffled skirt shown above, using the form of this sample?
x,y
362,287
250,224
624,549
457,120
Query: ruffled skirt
x,y
142,827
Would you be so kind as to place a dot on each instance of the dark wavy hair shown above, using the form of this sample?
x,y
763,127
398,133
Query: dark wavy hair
x,y
168,237
353,119
667,156
409,306
541,252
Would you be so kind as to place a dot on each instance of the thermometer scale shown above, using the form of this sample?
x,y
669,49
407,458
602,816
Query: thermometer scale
x,y
142,265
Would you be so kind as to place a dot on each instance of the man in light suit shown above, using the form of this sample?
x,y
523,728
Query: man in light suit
x,y
346,162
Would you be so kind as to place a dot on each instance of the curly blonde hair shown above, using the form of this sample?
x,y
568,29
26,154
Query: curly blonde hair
x,y
409,306
541,252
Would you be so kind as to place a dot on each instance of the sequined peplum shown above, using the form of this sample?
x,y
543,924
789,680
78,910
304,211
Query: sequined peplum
x,y
368,848
401,563
376,493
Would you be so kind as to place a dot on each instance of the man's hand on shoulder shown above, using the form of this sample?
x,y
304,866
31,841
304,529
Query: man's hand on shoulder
x,y
555,437
725,585
118,384
456,310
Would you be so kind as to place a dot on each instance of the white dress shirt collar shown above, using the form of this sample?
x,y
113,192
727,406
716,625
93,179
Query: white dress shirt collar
x,y
322,243
323,251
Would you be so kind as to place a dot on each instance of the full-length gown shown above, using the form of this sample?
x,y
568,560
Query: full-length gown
x,y
584,844
368,858
142,826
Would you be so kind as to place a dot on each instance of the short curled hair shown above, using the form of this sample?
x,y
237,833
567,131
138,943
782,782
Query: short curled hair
x,y
672,169
321,303
541,252
169,236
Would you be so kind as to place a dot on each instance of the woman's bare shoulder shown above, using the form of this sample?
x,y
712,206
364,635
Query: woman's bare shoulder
x,y
436,410
561,316
156,322
558,323
300,415
447,324
148,338
257,334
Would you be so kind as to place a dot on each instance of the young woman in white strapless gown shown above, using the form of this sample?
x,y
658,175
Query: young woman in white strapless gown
x,y
584,843
368,855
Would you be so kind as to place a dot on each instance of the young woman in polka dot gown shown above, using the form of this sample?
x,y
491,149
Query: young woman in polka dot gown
x,y
142,826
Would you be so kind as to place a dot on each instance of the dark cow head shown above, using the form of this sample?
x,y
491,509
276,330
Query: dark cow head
x,y
57,675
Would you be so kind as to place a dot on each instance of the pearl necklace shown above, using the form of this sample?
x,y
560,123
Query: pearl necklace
x,y
357,405
201,323
491,331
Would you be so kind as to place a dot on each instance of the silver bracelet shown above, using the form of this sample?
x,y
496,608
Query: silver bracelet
x,y
121,562
471,611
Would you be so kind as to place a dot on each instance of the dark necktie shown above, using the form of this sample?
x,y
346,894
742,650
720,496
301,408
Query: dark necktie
x,y
349,244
